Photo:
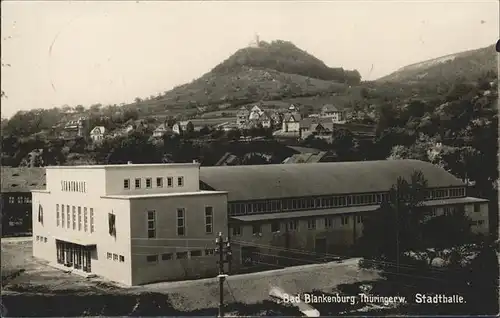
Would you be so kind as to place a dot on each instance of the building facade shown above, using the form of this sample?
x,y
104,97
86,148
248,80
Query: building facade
x,y
320,207
133,224
97,133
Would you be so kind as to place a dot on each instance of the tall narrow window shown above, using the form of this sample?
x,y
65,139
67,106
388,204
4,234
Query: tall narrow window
x,y
170,182
181,225
311,224
62,216
74,216
345,220
209,218
151,224
328,223
159,182
85,220
91,220
112,224
79,218
138,183
148,183
68,217
40,213
57,215
126,184
180,181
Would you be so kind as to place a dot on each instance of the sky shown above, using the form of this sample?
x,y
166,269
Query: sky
x,y
82,53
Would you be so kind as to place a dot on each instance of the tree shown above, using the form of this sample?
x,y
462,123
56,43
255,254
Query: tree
x,y
395,227
234,134
343,143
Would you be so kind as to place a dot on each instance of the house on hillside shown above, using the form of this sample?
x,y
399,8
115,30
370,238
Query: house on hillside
x,y
15,199
97,133
161,130
330,111
242,116
74,128
293,108
291,122
182,126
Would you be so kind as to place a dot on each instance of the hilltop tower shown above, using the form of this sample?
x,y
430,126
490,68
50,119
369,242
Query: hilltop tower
x,y
256,41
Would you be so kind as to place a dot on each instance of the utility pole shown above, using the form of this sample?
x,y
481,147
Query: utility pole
x,y
224,250
397,227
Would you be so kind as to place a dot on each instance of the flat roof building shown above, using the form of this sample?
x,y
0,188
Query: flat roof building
x,y
132,224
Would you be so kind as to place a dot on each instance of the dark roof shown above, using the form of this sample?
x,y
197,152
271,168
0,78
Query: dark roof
x,y
298,180
303,149
307,122
296,117
22,179
329,108
343,210
307,157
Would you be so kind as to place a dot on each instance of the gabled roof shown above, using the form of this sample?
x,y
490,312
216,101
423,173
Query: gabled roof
x,y
163,127
308,157
22,179
292,117
98,130
329,108
298,180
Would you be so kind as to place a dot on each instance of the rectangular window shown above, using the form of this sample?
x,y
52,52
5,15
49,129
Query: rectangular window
x,y
79,218
159,182
126,184
19,200
275,227
45,240
91,220
109,255
236,230
180,181
62,216
311,224
433,211
170,182
115,257
477,207
149,183
68,215
181,226
38,237
57,215
345,220
196,253
85,220
182,255
122,258
166,256
328,223
12,200
209,251
256,229
138,183
151,224
293,225
73,215
152,258
359,219
209,218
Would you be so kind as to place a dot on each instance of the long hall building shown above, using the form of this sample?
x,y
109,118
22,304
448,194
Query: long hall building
x,y
320,207
137,224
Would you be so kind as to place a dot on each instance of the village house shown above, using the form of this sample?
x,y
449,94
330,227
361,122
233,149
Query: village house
x,y
97,133
74,128
161,130
330,111
182,126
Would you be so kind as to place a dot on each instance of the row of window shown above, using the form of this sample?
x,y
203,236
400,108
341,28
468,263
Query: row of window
x,y
180,221
293,225
149,183
20,200
179,255
329,202
41,239
70,217
74,186
115,257
478,222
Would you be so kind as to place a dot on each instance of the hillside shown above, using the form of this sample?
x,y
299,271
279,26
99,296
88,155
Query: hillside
x,y
269,71
468,65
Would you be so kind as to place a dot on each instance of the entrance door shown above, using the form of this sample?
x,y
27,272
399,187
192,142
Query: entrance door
x,y
320,246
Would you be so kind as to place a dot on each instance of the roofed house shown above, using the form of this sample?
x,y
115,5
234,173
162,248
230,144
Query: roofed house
x,y
242,116
330,111
17,184
97,133
182,126
161,130
291,122
319,207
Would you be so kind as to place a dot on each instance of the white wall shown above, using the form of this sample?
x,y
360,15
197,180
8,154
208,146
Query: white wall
x,y
116,176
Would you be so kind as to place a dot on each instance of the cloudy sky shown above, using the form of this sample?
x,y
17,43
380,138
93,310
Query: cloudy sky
x,y
110,52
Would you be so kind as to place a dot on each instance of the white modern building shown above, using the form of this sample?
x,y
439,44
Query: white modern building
x,y
132,224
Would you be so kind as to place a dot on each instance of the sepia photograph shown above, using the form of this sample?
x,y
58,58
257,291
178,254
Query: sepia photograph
x,y
249,158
